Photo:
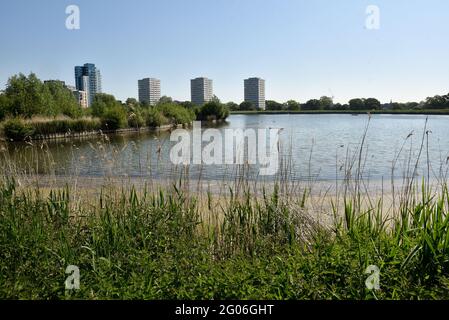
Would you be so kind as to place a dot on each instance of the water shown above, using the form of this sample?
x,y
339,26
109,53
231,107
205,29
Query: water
x,y
318,146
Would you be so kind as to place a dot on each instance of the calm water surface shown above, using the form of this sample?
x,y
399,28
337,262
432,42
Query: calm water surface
x,y
318,147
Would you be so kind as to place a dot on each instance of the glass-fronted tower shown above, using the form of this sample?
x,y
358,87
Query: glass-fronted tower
x,y
88,79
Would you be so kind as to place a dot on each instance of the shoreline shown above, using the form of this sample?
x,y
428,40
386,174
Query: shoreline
x,y
439,112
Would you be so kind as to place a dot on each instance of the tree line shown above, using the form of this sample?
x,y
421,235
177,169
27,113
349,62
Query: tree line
x,y
29,106
28,96
357,104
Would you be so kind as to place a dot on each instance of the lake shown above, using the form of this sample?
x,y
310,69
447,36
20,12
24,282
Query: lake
x,y
319,147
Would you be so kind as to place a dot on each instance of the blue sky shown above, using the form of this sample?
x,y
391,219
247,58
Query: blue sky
x,y
303,48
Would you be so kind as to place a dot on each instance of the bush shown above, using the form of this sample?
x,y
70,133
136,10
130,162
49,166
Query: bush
x,y
213,111
114,119
176,114
155,118
136,120
65,126
17,129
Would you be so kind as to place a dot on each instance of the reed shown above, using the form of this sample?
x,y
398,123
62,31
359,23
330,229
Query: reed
x,y
249,240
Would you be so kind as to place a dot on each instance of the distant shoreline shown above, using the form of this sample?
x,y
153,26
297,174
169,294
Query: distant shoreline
x,y
360,112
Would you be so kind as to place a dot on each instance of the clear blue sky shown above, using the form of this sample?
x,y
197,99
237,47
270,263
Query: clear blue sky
x,y
303,48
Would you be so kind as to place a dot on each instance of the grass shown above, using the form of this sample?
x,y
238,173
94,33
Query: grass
x,y
169,243
165,245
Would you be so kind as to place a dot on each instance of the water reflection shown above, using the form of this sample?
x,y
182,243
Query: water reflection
x,y
313,146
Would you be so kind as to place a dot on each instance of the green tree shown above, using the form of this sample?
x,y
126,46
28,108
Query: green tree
x,y
165,100
4,106
313,104
357,104
273,105
215,99
247,106
114,118
27,96
213,111
187,104
372,104
175,113
61,100
132,104
232,106
437,102
102,103
293,105
326,103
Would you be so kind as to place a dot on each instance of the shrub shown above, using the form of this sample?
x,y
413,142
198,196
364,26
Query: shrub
x,y
136,120
213,111
155,118
17,130
65,126
85,125
114,118
176,114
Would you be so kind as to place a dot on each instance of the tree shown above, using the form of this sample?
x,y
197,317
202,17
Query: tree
x,y
357,104
132,104
114,118
4,106
102,103
247,106
437,102
326,103
27,96
313,104
232,106
62,99
215,99
273,105
175,113
187,104
372,104
339,106
165,99
213,111
293,105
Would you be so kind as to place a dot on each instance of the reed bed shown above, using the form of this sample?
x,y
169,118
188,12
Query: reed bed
x,y
246,240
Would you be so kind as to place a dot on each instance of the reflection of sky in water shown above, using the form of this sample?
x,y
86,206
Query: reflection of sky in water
x,y
317,146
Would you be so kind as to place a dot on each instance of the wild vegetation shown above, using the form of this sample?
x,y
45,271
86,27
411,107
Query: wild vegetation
x,y
31,108
432,104
171,243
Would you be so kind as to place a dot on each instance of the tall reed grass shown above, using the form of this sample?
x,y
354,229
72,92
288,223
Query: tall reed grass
x,y
255,241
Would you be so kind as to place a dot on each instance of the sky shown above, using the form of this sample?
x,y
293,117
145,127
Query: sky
x,y
304,49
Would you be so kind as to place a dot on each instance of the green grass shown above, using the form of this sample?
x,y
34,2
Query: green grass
x,y
166,245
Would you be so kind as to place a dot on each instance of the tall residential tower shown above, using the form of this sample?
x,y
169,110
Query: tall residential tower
x,y
88,79
255,92
201,90
149,91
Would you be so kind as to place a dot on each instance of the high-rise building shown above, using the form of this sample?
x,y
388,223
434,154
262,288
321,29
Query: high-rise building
x,y
81,97
201,90
255,92
88,79
149,91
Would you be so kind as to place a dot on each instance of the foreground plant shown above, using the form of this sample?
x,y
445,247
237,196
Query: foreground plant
x,y
168,245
